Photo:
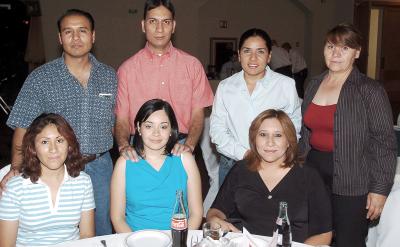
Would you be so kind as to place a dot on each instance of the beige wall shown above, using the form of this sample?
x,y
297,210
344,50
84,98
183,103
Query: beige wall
x,y
118,32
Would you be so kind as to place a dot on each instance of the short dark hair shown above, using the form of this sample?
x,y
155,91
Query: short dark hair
x,y
346,35
256,32
254,158
152,4
31,167
144,113
74,12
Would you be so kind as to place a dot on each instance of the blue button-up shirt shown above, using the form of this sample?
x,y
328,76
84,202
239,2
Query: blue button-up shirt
x,y
89,110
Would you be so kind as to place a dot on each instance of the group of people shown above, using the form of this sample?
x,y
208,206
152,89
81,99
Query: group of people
x,y
332,158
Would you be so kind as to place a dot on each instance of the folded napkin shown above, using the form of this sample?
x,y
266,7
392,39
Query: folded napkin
x,y
248,239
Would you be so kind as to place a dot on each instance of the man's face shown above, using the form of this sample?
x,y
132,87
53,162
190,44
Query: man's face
x,y
76,36
158,27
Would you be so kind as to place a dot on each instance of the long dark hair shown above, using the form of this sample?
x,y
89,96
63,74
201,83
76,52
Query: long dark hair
x,y
31,167
144,113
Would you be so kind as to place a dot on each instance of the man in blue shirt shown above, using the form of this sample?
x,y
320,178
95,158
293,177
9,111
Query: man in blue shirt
x,y
83,91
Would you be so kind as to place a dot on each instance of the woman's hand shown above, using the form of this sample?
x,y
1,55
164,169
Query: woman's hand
x,y
375,203
225,225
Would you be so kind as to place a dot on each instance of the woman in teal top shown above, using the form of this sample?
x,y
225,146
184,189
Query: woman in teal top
x,y
143,192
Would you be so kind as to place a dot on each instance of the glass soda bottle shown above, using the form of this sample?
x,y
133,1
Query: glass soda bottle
x,y
283,227
179,223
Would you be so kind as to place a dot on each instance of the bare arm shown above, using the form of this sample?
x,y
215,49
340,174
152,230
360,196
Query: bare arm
x,y
195,201
319,239
16,156
86,226
195,129
8,233
216,215
122,134
118,198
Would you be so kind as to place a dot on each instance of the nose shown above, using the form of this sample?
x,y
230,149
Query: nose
x,y
156,131
337,51
270,141
52,147
75,35
159,26
253,56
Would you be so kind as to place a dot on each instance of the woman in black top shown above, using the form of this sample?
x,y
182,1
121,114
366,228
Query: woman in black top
x,y
270,174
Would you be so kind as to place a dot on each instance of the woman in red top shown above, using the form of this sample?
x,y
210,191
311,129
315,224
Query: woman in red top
x,y
348,137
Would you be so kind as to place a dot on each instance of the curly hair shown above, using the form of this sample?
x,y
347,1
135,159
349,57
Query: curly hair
x,y
31,167
253,158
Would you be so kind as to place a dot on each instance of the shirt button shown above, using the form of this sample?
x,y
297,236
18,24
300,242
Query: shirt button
x,y
162,83
269,197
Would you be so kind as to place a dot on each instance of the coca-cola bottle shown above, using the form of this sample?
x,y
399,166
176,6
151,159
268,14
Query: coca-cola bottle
x,y
179,224
283,227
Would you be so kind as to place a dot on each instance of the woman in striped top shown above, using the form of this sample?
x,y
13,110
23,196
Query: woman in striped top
x,y
52,201
348,137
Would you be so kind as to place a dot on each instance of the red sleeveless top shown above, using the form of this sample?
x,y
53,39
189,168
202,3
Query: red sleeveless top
x,y
319,119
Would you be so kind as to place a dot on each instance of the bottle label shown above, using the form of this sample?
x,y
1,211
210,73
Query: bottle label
x,y
279,239
179,224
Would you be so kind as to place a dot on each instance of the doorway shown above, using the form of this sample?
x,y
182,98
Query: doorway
x,y
380,59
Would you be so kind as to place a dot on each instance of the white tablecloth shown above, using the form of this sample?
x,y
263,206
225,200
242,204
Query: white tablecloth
x,y
117,240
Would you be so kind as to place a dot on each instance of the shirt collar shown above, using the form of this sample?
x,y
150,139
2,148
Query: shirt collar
x,y
92,59
27,181
151,54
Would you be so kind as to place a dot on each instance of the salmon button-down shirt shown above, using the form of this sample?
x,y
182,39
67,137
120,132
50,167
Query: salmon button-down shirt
x,y
175,77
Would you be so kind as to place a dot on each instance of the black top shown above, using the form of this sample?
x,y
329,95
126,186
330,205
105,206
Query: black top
x,y
244,195
364,152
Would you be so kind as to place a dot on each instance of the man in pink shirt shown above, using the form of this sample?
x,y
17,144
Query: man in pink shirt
x,y
160,70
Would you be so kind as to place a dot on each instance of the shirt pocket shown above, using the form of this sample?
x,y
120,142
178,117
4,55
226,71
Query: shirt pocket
x,y
102,106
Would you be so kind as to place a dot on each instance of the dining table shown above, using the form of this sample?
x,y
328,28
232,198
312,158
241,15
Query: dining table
x,y
118,240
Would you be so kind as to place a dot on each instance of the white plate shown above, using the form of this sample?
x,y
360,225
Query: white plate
x,y
148,238
238,241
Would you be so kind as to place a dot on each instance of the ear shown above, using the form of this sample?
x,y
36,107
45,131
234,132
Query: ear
x,y
269,57
238,52
358,53
59,38
138,128
93,36
173,26
143,26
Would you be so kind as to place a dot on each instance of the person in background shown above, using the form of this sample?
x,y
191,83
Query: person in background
x,y
280,60
83,91
143,191
269,174
241,97
299,68
51,201
231,67
348,137
160,70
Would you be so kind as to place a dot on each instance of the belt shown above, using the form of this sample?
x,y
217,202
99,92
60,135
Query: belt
x,y
90,157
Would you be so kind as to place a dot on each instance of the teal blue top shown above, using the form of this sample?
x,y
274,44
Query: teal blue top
x,y
150,194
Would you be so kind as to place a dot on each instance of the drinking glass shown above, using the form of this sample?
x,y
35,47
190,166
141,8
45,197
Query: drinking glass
x,y
212,230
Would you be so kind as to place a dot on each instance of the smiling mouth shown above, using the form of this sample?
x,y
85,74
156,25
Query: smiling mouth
x,y
252,66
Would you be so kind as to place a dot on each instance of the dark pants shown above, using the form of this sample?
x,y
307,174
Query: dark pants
x,y
300,77
348,212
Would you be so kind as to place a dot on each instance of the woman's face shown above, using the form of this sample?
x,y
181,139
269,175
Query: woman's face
x,y
271,142
339,58
155,131
51,148
254,57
